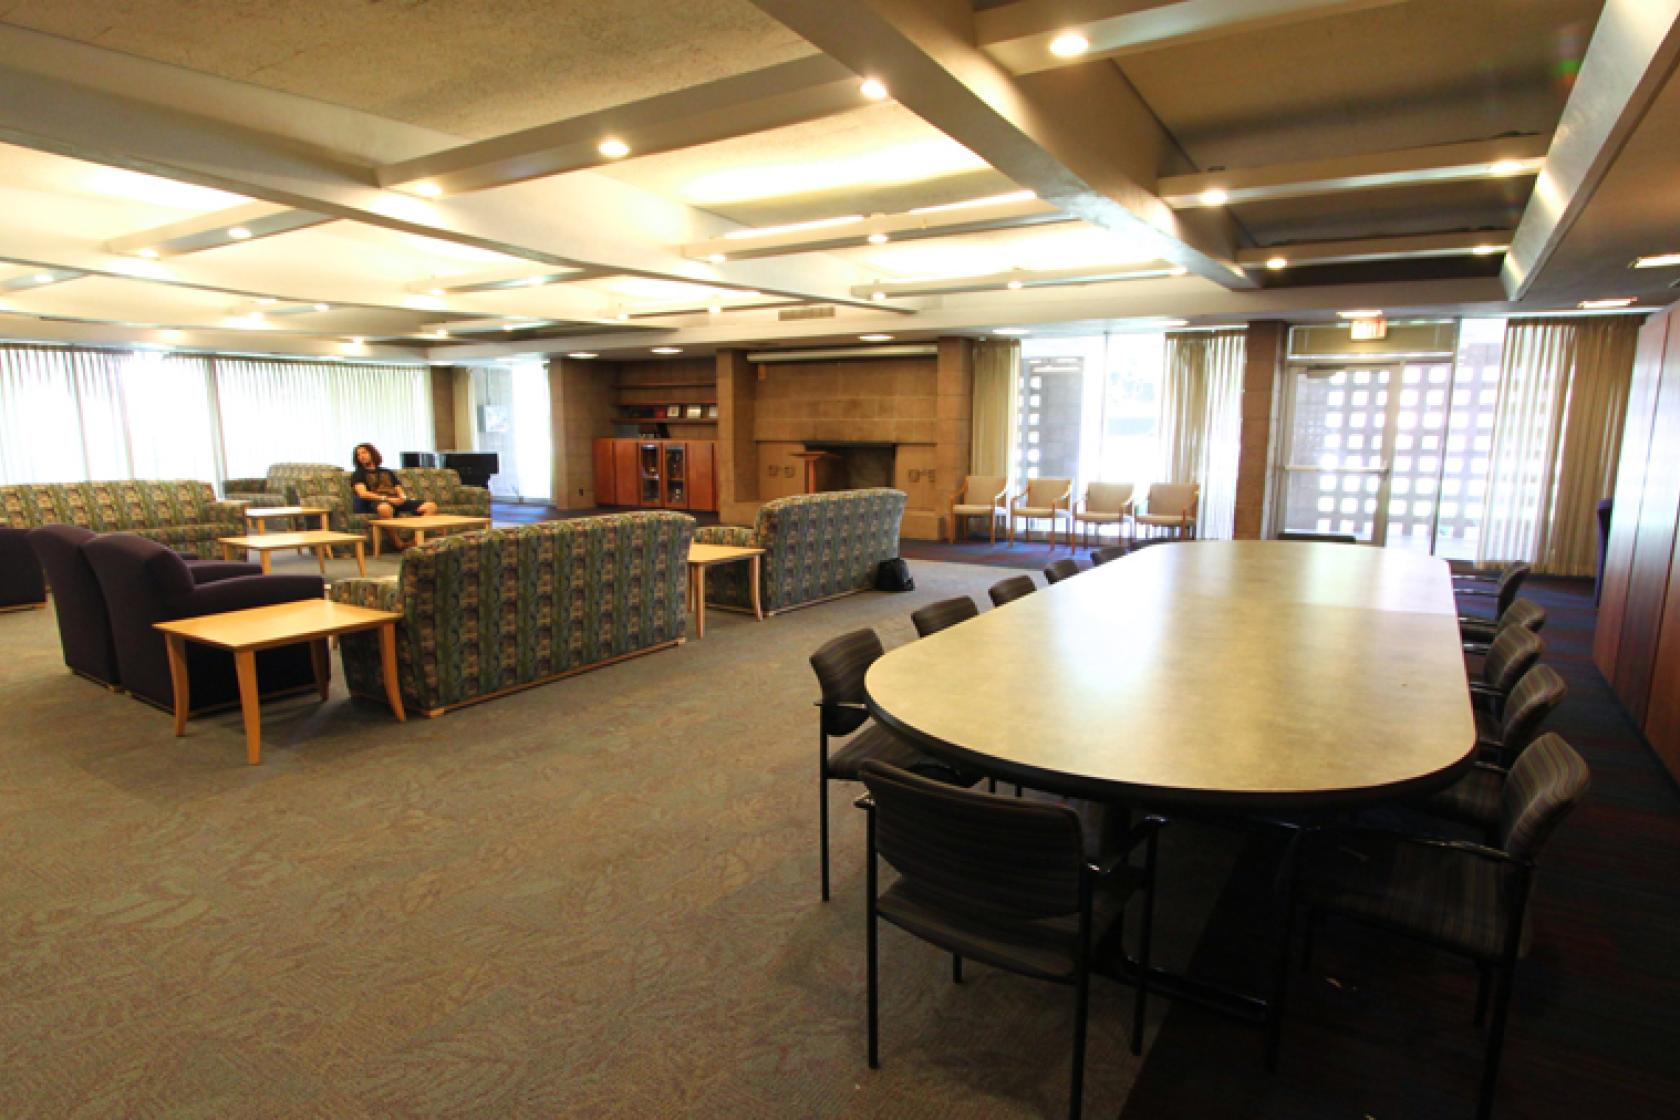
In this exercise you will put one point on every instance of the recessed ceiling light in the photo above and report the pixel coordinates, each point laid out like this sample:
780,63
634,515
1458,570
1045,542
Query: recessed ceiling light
1604,304
875,338
42,278
878,295
239,233
877,239
583,355
717,258
874,89
173,336
1361,313
714,309
622,316
323,307
267,301
1662,260
1178,270
1275,263
1505,167
1487,250
1014,285
440,333
1011,330
613,148
425,188
436,292
149,253
1214,196
357,341
507,326
667,349
1069,44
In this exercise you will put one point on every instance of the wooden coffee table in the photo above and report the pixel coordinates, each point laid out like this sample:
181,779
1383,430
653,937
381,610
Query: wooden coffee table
703,556
318,539
260,516
420,526
283,624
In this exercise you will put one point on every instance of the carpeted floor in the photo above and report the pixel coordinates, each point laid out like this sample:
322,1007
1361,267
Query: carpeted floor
593,898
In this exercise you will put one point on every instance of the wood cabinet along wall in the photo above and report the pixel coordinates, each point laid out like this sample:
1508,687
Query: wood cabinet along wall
656,473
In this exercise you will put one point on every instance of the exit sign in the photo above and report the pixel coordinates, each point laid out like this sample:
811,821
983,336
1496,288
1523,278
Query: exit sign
1370,330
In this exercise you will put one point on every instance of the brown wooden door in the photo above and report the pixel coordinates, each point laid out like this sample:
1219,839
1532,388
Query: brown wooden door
626,481
605,495
1653,546
702,475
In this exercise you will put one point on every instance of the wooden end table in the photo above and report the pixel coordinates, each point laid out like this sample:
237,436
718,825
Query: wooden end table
703,556
318,539
258,517
420,526
245,632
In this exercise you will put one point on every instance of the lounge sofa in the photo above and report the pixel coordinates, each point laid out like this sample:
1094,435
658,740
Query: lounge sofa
182,514
426,484
817,546
489,612
286,484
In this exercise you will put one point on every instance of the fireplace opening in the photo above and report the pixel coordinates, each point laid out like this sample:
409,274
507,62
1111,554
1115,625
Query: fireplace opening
852,466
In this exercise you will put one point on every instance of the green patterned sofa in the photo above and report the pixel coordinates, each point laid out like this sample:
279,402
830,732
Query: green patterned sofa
427,484
286,484
182,514
488,612
817,546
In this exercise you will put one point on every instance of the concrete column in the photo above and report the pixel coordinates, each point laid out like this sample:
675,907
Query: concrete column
955,430
580,398
737,395
1262,368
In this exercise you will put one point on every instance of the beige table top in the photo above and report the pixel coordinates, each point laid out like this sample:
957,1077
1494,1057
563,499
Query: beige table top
1253,674
260,513
279,624
309,538
429,521
718,553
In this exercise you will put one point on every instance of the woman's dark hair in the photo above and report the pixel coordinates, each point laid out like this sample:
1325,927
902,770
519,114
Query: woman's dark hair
373,453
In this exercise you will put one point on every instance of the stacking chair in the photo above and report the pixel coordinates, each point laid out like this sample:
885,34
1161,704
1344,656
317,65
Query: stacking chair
981,495
1464,898
1011,589
1478,633
942,615
1112,552
1014,883
1041,499
840,666
1503,737
1512,654
1065,568
1503,589
1171,505
1105,503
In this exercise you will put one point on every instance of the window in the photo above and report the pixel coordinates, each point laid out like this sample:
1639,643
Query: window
511,418
1088,406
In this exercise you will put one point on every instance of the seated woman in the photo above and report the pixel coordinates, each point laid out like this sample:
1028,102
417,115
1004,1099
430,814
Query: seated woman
379,492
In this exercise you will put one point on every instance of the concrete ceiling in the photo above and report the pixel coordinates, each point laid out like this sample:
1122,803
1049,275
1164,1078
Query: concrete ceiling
121,124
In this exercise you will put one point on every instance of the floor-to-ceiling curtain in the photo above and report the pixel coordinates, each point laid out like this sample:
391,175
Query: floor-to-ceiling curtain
1557,433
1200,421
997,368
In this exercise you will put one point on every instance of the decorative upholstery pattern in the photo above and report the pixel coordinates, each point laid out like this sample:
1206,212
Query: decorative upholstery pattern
488,611
816,546
181,513
426,484
284,484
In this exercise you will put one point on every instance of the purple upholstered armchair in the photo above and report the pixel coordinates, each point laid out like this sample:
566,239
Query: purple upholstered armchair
84,627
143,582
20,575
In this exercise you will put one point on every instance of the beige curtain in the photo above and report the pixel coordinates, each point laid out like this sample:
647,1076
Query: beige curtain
1557,434
997,367
1200,421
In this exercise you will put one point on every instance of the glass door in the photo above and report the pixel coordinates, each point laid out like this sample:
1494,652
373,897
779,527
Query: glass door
1363,451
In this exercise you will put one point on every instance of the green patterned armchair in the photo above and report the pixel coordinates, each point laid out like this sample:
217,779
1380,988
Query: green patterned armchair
817,546
488,612
284,485
183,514
426,484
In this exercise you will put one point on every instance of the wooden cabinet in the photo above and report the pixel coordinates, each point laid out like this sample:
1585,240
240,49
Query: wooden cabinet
656,473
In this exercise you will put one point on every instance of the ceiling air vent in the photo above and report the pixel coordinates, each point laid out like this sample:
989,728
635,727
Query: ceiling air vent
816,311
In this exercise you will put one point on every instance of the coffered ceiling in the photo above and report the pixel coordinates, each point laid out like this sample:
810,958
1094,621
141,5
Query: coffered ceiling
433,180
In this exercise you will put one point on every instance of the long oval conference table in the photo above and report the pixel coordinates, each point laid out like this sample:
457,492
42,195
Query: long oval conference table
1256,676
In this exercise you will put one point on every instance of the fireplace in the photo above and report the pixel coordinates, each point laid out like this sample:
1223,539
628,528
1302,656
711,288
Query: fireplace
852,465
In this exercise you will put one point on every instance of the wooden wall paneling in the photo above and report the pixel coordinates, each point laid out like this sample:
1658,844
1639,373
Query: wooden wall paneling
627,485
1653,546
606,492
1662,713
702,475
1630,486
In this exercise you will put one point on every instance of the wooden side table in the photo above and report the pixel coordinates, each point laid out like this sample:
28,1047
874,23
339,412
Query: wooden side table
703,556
420,526
258,517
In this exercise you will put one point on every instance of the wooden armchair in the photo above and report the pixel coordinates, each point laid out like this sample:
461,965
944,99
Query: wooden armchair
1172,505
1040,499
1105,503
981,495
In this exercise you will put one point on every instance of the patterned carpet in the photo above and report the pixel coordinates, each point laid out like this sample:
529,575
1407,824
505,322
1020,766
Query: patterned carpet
593,898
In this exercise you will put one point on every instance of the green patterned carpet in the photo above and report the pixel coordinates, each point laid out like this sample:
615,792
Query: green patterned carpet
593,898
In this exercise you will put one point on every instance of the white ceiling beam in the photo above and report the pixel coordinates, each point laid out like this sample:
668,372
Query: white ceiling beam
790,93
1479,243
1018,35
1439,163
1632,55
1037,133
23,327
38,276
1003,212
211,231
579,220
1018,278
